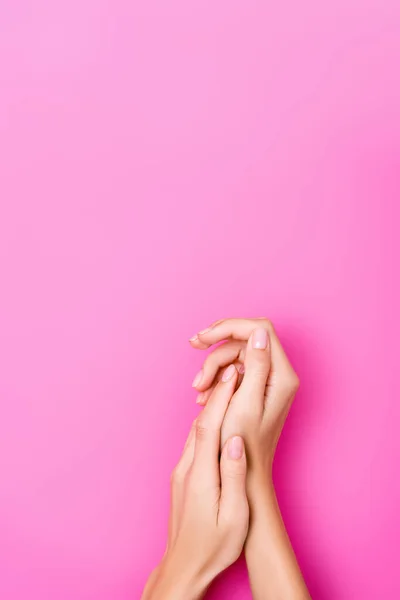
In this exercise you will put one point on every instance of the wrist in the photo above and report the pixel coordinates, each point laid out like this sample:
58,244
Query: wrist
177,580
262,499
259,471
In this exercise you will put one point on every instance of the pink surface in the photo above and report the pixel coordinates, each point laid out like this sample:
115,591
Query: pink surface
164,164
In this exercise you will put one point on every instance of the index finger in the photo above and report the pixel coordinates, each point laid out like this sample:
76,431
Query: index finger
205,468
235,329
241,329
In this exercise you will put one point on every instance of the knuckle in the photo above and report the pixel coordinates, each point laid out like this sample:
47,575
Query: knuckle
177,475
290,385
293,384
235,471
257,370
202,429
296,382
259,365
267,323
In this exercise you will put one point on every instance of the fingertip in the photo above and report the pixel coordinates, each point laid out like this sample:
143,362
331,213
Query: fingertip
203,380
197,380
229,373
197,344
196,338
203,385
200,399
203,342
204,396
205,336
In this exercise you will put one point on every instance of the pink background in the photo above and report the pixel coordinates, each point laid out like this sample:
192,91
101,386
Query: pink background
164,164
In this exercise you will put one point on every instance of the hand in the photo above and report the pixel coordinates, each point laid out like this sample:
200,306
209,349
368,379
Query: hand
262,401
257,412
209,508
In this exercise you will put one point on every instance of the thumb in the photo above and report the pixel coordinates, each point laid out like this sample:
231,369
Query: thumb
233,502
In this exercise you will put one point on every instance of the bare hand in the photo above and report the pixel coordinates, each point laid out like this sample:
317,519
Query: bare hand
209,512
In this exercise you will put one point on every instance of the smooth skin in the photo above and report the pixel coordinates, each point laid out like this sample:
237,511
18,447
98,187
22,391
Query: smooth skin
209,509
265,385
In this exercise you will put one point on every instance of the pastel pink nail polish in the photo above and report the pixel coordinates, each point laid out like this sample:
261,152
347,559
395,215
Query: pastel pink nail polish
198,378
235,448
199,399
229,373
259,339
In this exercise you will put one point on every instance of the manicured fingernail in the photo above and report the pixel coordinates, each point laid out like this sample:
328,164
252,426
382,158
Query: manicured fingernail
235,448
197,379
241,369
205,330
193,339
199,399
229,373
259,339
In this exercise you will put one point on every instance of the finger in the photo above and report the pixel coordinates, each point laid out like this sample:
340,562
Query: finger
147,592
178,482
236,329
196,343
233,505
195,340
257,368
205,467
241,329
203,397
220,357
283,381
186,458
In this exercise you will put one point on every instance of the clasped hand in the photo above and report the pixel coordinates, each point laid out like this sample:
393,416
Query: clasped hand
223,480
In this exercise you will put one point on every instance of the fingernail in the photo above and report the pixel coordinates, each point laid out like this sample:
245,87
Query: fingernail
259,339
241,369
205,330
235,448
199,399
229,373
198,378
193,339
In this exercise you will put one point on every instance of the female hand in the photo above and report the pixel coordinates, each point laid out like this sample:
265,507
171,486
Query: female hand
267,388
257,412
209,508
